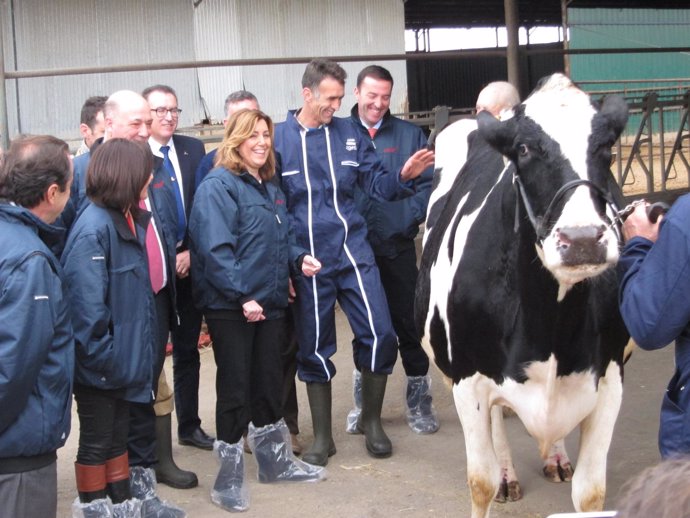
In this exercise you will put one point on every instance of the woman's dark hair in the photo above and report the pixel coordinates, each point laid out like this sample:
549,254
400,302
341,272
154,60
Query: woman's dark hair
32,164
118,171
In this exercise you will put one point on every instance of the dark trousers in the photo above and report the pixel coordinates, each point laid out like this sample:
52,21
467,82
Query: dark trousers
103,424
29,493
399,279
186,363
141,443
249,372
290,409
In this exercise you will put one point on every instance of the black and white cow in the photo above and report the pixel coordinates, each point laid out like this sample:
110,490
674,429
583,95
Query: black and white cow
516,298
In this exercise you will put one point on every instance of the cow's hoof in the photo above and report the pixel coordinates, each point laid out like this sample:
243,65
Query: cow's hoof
558,473
508,492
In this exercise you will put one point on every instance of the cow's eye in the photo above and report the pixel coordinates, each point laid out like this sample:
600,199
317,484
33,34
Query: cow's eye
523,150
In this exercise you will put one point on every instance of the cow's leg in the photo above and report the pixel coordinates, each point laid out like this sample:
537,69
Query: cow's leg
483,471
596,430
557,466
509,489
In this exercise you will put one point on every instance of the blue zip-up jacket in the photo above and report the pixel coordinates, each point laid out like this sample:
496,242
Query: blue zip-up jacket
312,197
393,225
111,301
36,344
239,242
655,305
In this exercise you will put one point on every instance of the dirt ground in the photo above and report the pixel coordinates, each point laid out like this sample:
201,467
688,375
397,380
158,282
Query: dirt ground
426,475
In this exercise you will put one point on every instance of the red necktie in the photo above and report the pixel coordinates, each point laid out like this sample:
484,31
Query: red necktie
372,132
153,252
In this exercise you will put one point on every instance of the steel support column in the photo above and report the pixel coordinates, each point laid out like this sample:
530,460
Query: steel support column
512,27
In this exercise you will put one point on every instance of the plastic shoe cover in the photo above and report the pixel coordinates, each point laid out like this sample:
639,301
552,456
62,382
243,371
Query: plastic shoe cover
353,415
128,509
142,482
230,491
420,413
101,508
272,449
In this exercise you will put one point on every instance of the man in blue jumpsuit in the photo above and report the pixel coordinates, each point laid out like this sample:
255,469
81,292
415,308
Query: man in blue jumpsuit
320,160
393,226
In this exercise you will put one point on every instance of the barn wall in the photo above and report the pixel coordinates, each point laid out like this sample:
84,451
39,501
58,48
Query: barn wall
620,28
277,29
82,33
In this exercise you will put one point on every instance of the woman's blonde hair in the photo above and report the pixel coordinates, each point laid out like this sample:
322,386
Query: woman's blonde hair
239,128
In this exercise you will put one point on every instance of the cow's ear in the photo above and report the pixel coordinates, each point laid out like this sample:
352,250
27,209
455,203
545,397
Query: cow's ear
499,134
614,110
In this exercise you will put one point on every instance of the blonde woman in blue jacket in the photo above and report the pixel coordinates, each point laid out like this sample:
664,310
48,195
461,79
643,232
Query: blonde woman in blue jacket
241,260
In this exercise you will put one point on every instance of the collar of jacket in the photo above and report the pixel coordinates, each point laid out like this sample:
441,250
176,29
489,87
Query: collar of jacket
141,219
354,113
49,234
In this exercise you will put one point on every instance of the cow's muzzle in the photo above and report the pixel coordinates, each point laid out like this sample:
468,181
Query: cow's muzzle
581,245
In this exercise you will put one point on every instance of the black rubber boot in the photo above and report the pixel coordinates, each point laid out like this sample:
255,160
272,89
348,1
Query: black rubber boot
373,390
119,491
142,483
320,405
273,452
167,472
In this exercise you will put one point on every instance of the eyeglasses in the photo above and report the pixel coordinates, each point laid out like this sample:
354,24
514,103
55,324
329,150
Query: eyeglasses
162,112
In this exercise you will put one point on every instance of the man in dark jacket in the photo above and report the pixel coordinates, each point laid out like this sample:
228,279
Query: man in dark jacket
654,303
176,160
36,340
392,227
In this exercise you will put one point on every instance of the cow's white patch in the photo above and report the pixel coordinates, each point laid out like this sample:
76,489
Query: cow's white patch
549,406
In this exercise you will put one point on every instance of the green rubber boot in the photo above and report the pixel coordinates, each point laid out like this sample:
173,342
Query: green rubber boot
373,390
320,405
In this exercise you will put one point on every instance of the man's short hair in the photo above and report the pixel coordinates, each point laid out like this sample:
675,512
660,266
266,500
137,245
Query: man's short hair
92,106
238,97
377,72
31,165
319,69
158,88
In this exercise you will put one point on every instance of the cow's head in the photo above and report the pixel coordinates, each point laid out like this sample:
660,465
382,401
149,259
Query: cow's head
560,142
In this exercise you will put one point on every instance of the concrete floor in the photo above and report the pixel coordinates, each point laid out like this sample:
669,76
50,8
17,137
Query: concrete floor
426,475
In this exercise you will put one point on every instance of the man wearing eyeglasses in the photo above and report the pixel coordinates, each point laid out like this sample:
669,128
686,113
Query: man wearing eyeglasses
178,156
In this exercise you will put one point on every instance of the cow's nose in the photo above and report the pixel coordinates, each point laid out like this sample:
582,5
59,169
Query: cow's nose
582,245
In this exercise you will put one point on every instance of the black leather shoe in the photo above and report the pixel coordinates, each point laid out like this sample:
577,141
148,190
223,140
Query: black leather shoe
199,439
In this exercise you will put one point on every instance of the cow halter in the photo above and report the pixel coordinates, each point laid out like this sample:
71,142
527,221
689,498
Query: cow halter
539,223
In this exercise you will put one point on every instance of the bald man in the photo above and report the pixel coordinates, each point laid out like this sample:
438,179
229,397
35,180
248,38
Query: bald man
498,98
126,115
